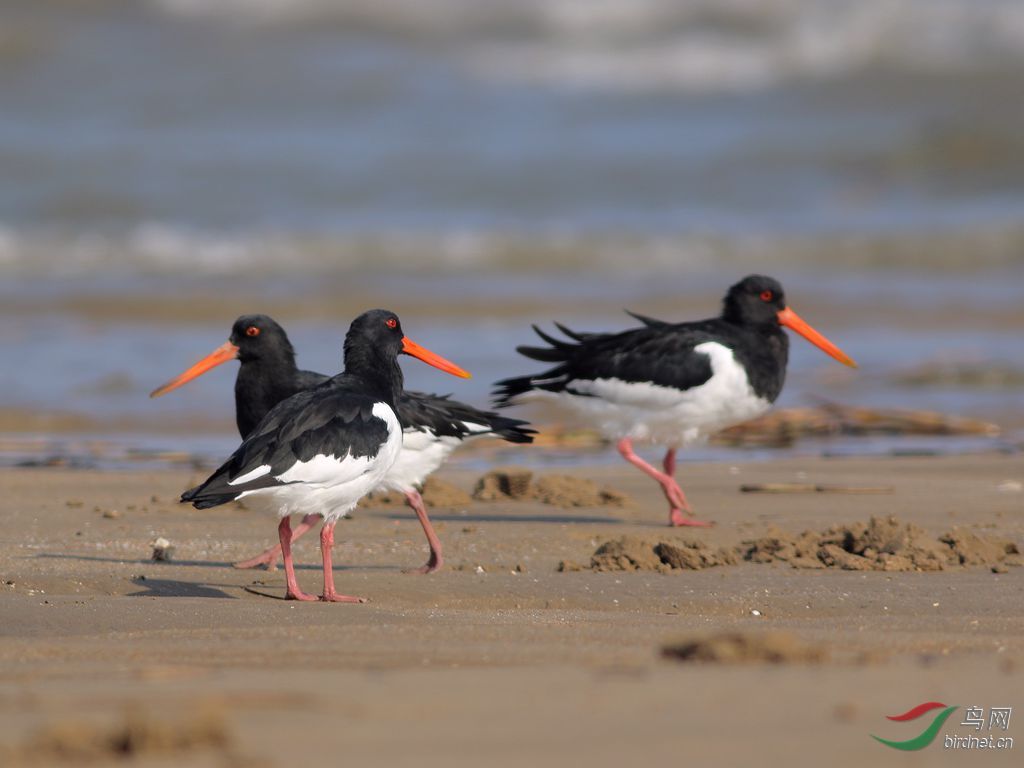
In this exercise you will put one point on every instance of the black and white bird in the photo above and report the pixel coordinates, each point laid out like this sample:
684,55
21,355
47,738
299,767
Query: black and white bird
326,447
670,384
434,425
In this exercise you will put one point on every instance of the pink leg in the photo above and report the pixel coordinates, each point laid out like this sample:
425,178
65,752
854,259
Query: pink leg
676,499
329,595
268,557
284,533
414,500
669,463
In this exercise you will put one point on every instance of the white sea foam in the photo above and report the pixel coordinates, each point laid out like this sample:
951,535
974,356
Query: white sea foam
675,44
166,250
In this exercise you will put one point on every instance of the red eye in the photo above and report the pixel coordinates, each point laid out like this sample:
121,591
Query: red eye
252,330
767,295
391,322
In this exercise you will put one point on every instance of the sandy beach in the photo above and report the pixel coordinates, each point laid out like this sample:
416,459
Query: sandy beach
501,658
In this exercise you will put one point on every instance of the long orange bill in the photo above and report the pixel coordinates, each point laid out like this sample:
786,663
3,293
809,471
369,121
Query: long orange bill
223,353
410,347
791,319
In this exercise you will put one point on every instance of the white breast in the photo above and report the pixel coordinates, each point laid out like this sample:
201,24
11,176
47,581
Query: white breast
658,414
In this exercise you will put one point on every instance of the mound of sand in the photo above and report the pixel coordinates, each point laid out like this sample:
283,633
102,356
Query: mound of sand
739,648
630,553
968,548
503,484
568,491
564,491
883,544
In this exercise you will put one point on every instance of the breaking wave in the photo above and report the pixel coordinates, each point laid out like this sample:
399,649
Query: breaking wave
161,249
676,44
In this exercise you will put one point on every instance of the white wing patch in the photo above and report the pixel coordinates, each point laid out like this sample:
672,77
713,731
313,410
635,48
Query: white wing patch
475,429
327,470
258,472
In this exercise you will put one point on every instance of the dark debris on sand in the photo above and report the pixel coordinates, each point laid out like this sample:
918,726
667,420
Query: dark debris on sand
745,648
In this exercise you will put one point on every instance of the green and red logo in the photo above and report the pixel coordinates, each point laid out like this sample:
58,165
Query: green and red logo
927,736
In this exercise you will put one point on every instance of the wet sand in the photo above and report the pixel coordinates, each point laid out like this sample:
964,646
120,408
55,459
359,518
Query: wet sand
500,659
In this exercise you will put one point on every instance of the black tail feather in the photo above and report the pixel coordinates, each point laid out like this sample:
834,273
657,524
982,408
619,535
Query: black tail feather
560,352
211,501
557,343
217,488
199,500
446,417
543,354
510,430
507,390
574,335
650,322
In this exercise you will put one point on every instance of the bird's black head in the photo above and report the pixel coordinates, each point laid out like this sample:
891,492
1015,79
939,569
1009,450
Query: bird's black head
374,341
259,337
754,300
254,339
378,330
758,301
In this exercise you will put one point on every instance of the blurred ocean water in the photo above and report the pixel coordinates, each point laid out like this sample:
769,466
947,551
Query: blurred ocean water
480,165
199,134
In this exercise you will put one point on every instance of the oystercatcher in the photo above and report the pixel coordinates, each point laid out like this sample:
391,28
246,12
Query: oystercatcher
325,447
671,383
434,425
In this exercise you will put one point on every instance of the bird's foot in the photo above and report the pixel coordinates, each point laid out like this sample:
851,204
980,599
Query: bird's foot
334,597
267,559
676,519
299,595
676,497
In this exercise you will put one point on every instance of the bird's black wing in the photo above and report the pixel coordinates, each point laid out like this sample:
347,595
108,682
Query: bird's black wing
658,353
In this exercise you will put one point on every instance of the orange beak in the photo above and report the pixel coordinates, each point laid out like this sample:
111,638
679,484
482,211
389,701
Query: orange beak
223,353
791,319
410,347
